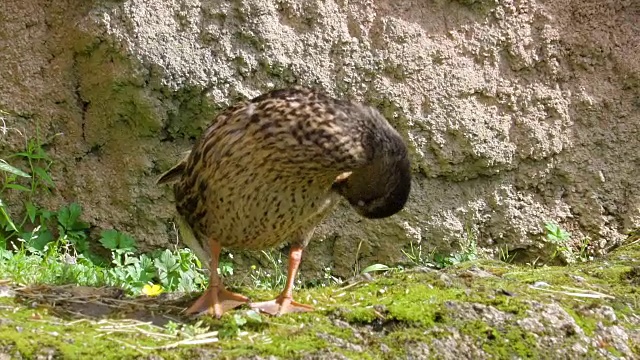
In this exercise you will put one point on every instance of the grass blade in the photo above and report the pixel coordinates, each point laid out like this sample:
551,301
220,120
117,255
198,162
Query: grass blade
13,170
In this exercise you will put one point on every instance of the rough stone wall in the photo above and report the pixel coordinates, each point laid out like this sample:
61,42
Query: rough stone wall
517,112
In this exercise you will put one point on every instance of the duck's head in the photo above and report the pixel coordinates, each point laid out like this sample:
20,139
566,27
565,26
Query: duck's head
381,188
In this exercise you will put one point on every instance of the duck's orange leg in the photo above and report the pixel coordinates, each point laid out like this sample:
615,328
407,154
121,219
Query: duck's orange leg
284,302
216,299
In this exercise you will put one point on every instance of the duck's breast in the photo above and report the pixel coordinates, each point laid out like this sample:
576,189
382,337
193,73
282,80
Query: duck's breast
257,211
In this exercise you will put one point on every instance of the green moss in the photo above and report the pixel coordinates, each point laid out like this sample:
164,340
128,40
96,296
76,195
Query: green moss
402,335
502,343
250,39
382,318
280,345
395,71
508,304
588,325
121,101
115,103
278,71
517,341
193,112
29,331
421,305
360,315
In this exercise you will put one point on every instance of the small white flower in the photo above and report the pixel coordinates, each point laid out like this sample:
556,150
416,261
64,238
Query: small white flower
69,259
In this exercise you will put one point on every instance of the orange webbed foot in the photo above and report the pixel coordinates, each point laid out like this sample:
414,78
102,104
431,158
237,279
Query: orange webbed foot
216,301
280,306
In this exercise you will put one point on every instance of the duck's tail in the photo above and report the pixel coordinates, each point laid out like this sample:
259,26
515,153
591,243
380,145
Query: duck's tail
172,175
189,239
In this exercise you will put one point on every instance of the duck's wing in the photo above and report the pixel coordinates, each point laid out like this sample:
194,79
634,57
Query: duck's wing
303,127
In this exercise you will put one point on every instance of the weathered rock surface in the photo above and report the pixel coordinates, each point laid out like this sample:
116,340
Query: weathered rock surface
517,112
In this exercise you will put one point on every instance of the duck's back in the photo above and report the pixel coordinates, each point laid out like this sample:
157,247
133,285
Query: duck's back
265,167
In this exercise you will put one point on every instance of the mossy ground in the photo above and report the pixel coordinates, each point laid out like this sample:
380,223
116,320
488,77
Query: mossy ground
380,318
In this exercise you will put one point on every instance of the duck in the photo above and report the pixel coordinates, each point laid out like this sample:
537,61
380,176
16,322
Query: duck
267,171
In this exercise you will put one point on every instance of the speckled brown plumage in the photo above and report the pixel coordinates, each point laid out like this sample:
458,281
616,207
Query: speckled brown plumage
268,170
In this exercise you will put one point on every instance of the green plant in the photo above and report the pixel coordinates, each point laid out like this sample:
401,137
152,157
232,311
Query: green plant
226,265
231,329
39,164
53,246
376,267
41,235
29,250
555,234
561,241
56,263
468,252
505,255
273,278
357,270
117,241
14,179
72,228
67,259
356,265
60,262
176,270
328,278
10,173
417,257
186,330
584,253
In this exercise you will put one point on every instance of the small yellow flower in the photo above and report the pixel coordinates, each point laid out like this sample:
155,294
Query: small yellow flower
253,267
152,290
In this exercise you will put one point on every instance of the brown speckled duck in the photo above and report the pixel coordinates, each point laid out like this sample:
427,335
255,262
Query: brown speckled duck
268,170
